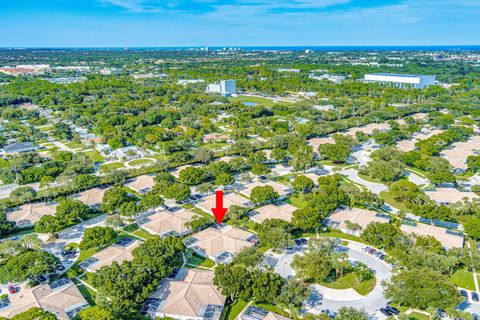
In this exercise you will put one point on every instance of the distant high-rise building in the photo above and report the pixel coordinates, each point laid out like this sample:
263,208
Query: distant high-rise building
225,87
401,80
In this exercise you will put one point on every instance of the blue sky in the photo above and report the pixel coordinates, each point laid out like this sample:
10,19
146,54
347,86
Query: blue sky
119,23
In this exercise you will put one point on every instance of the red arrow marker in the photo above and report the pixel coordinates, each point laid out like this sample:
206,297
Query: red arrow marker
219,211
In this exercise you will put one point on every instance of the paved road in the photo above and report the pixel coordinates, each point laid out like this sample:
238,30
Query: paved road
415,178
326,298
373,187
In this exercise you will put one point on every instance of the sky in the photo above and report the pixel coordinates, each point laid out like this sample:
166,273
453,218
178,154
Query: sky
162,23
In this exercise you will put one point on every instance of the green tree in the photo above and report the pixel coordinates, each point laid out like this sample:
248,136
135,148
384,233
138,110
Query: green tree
70,211
28,265
302,184
431,289
382,235
263,194
224,179
349,313
114,198
94,313
192,176
97,237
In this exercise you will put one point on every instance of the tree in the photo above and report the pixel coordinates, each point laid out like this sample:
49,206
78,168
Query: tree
335,152
382,235
236,214
472,227
70,211
192,176
259,169
28,265
97,237
48,224
224,179
62,131
429,243
404,191
177,191
273,233
263,194
249,257
32,242
151,200
431,289
292,295
22,195
302,184
114,198
35,314
203,155
114,221
94,313
349,313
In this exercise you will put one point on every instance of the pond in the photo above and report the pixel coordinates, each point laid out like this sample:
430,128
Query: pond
249,104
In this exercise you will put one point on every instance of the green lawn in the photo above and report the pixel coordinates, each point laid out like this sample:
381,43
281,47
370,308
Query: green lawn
369,179
232,310
463,279
95,156
131,227
388,198
137,162
197,261
419,316
350,281
341,235
143,234
74,145
298,200
87,293
111,166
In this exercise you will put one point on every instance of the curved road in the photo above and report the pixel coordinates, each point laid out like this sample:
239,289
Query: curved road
329,300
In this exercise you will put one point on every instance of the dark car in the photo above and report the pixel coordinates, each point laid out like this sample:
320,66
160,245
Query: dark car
386,312
464,293
475,296
393,310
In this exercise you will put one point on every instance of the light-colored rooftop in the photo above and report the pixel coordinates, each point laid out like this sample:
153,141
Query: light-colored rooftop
188,298
282,212
164,222
355,215
228,200
408,145
29,214
458,152
216,240
315,142
368,129
142,183
448,240
113,253
450,195
91,197
59,301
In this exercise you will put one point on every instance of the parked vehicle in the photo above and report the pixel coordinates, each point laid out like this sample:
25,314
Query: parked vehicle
386,312
12,289
475,296
464,293
393,310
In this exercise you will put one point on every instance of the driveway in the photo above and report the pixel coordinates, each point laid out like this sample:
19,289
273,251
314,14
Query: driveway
417,179
325,298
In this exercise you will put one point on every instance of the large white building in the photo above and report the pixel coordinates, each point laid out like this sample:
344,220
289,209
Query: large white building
401,80
224,87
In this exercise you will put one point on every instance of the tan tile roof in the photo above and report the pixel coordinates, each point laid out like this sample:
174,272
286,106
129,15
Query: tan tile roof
187,298
214,242
164,221
31,213
450,195
448,241
458,152
228,200
368,129
92,196
141,183
315,142
59,301
355,215
408,145
280,188
113,253
283,212
275,316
